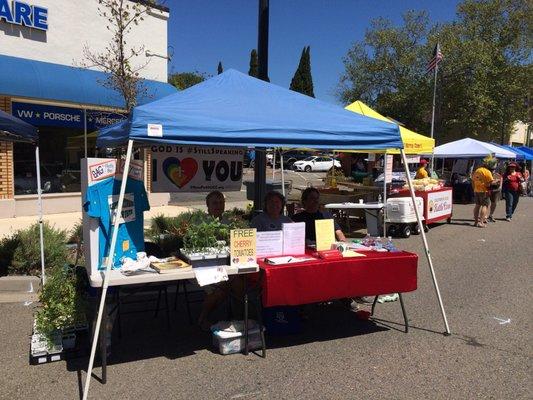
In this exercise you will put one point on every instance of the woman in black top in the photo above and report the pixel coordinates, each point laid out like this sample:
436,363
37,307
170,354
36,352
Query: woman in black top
311,213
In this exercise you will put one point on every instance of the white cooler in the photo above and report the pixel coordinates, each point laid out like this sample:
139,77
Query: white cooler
400,210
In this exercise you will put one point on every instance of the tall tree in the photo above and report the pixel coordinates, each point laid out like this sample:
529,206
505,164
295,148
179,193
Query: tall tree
117,57
482,80
219,68
254,64
184,80
302,80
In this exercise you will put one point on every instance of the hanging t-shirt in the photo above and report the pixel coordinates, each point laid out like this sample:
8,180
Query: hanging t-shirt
100,199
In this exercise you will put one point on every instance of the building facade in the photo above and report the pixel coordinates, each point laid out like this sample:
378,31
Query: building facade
45,81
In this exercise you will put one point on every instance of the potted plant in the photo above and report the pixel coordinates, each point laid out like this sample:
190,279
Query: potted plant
63,306
205,244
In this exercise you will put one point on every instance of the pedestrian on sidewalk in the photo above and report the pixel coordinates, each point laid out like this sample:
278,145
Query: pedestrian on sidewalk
512,180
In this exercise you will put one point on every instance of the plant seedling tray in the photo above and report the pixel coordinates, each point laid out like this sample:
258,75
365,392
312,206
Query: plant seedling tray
206,259
40,353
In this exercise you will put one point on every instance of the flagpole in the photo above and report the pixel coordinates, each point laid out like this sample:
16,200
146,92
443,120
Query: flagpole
433,112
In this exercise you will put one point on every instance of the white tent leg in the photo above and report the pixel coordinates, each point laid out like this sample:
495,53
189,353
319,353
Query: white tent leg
282,175
109,263
426,247
274,166
385,195
40,211
85,131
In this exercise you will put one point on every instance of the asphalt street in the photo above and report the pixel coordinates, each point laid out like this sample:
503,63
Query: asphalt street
485,280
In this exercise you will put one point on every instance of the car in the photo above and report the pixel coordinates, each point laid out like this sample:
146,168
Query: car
316,163
291,156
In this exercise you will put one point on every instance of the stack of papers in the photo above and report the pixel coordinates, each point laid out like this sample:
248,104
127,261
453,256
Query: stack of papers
287,260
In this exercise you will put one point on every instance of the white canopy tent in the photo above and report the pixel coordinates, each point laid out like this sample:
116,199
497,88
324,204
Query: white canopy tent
471,148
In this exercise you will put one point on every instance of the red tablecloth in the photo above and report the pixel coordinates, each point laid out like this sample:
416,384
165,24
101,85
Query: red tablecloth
320,280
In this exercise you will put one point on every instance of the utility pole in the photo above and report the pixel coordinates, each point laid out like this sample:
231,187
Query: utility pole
262,55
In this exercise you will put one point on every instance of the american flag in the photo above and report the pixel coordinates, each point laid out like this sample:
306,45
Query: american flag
435,60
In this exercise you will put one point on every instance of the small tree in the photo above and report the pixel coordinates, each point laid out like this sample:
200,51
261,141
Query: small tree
116,59
302,80
184,80
219,68
254,64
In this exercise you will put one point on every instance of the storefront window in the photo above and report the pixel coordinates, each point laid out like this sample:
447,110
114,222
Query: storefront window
60,150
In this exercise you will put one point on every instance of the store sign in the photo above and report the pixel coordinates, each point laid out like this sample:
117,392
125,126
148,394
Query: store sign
20,13
439,204
64,117
196,168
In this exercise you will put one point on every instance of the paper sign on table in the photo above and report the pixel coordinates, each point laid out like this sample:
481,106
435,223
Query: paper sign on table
210,275
243,247
294,238
269,244
325,234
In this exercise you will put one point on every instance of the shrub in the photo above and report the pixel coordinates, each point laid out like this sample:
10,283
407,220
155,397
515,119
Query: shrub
27,256
8,245
63,301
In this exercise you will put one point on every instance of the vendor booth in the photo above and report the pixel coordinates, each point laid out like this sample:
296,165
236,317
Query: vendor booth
13,129
234,110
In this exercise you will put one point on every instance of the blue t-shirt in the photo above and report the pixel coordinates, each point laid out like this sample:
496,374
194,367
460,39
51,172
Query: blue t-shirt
100,199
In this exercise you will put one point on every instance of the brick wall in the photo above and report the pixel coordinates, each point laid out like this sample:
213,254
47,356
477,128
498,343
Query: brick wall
6,158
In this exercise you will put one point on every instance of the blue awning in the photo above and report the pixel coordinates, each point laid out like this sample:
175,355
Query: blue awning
234,109
47,81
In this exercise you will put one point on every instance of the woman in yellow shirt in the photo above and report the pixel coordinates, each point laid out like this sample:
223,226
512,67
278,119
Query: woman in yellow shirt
421,172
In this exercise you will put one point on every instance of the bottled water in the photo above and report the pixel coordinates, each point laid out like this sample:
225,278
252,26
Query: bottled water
379,198
378,244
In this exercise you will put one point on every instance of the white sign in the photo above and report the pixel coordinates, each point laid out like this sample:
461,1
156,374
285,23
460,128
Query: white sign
196,168
210,275
155,130
388,169
294,238
439,204
412,159
269,244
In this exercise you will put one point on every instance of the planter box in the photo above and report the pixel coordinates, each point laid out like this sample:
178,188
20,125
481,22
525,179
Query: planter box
208,258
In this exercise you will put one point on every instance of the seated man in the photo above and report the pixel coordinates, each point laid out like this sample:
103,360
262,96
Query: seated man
272,218
311,213
216,205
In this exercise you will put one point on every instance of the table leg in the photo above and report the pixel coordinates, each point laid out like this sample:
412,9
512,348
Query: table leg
374,305
404,313
245,317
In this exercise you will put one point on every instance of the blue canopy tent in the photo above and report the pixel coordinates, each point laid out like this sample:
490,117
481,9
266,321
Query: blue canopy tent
520,154
234,109
13,129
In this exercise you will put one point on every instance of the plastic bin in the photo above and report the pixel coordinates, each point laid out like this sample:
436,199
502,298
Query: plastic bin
233,342
283,320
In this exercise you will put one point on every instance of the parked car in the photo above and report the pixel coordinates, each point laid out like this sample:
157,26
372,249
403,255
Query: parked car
291,156
316,163
26,180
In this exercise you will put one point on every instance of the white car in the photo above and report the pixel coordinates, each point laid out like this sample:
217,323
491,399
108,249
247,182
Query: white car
316,163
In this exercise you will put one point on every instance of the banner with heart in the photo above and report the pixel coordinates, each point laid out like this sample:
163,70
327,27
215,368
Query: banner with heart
180,172
184,169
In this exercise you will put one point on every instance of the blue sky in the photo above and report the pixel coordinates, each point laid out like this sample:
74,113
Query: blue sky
204,32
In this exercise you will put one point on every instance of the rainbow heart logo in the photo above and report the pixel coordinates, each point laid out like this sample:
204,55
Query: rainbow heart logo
180,172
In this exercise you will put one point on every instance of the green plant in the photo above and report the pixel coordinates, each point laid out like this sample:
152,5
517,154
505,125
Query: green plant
205,235
27,255
8,245
63,301
76,237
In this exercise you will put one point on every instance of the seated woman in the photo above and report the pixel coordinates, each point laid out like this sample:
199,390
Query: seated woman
272,218
311,213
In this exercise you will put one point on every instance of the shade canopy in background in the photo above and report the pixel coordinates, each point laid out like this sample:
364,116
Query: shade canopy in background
413,143
234,109
13,129
470,148
521,154
527,151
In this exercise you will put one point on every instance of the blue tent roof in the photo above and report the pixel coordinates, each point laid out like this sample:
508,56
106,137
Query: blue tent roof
42,80
13,129
527,151
520,153
234,109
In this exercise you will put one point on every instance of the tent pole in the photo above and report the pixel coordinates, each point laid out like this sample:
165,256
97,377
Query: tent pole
274,166
109,263
282,174
433,112
385,195
85,131
424,240
40,211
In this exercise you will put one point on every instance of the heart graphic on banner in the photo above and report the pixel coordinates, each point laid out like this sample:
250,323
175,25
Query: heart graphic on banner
180,172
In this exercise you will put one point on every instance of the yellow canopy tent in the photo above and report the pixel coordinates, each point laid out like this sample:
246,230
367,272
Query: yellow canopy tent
413,142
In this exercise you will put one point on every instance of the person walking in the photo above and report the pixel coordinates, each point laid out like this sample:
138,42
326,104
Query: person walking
495,192
481,180
512,180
